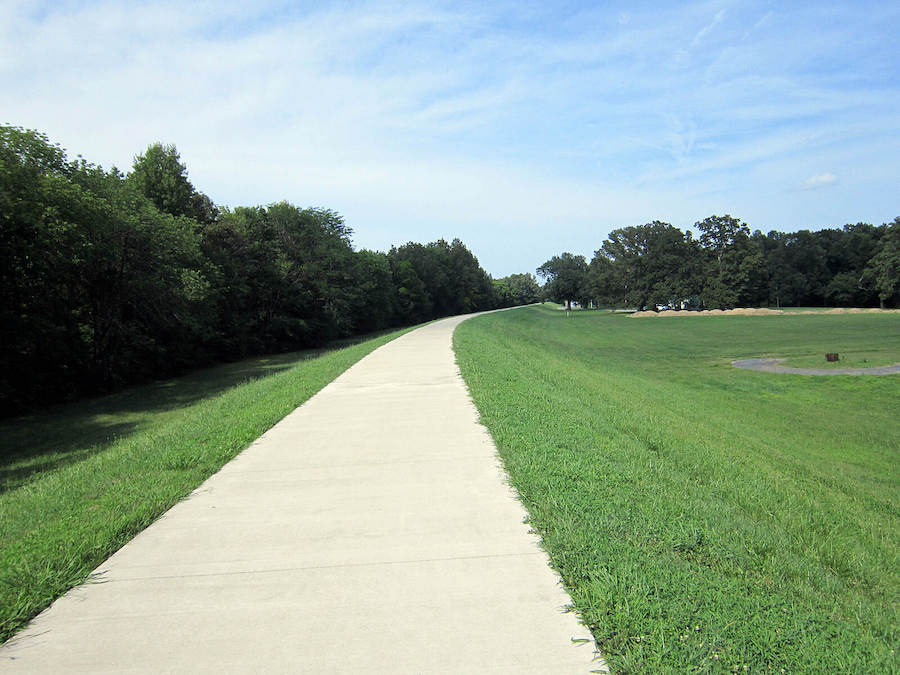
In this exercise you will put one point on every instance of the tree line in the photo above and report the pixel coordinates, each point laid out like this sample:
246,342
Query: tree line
109,278
657,265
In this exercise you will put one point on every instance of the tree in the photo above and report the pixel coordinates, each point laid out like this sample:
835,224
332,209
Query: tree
107,279
470,287
566,278
605,282
517,289
884,267
413,301
847,253
719,234
161,176
647,265
98,286
374,303
36,271
735,268
452,280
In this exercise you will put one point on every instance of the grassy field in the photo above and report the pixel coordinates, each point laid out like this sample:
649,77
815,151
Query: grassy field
80,480
705,518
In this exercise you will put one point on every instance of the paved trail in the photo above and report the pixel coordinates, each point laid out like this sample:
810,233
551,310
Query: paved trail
371,530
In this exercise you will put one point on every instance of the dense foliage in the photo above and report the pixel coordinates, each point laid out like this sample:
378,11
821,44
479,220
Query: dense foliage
659,265
107,278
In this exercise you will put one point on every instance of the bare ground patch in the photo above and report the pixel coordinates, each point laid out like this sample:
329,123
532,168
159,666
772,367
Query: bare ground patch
770,365
763,311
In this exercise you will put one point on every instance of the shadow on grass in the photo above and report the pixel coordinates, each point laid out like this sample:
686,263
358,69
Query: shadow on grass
69,433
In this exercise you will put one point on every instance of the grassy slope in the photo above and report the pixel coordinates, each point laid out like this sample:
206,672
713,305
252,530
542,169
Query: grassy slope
79,481
704,518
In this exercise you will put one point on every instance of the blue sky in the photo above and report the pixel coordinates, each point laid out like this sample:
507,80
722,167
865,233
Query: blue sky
525,129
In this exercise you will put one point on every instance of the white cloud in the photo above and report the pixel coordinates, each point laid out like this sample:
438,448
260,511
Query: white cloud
819,181
703,32
502,123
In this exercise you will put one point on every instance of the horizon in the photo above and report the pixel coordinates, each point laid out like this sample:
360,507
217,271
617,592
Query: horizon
516,128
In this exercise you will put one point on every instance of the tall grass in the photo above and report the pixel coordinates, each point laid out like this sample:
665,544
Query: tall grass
705,518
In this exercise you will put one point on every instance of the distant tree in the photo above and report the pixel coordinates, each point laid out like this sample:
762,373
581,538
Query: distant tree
523,288
203,210
107,279
431,264
647,265
451,277
376,297
470,286
735,271
566,278
286,277
161,176
884,267
848,252
605,282
503,296
719,234
515,290
413,301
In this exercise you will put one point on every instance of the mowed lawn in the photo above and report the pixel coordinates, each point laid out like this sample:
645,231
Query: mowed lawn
78,481
705,518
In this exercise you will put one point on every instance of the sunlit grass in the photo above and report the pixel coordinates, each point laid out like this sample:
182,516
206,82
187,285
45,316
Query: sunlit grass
79,481
704,518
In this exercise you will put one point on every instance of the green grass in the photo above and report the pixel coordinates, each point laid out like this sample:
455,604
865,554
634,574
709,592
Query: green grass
78,481
704,518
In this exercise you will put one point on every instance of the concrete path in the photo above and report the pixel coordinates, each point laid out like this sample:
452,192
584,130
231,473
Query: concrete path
370,531
774,366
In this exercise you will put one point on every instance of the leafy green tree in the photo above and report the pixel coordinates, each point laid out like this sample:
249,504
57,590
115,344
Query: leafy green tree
605,282
143,282
429,264
646,265
848,252
566,278
101,287
38,245
503,296
470,287
413,300
884,267
719,234
161,176
452,280
287,277
517,289
106,279
375,299
736,271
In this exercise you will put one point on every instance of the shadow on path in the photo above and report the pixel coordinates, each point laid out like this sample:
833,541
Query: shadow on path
69,433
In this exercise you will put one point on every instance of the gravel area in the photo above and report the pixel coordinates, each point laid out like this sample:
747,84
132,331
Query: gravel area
774,366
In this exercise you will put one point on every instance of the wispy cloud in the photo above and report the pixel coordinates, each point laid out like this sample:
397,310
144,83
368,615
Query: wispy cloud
819,181
716,20
495,123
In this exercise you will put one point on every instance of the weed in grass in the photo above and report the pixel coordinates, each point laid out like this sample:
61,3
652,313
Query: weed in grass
79,481
704,518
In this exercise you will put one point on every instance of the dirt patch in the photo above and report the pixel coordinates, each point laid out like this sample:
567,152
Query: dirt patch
762,311
774,366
